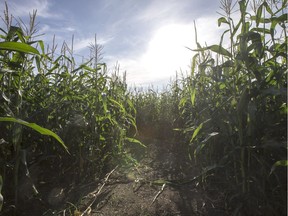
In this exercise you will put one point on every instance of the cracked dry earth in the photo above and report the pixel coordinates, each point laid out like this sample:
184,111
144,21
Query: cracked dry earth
124,191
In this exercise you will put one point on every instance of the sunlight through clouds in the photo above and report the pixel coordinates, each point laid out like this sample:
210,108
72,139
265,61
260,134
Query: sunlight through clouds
166,52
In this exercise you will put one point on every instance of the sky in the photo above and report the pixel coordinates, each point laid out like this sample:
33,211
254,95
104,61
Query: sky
146,38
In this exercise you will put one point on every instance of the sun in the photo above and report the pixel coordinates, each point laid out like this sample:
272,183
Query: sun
166,52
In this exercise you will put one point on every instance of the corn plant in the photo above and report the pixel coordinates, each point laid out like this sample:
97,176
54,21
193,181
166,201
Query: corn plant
88,109
235,108
17,58
157,111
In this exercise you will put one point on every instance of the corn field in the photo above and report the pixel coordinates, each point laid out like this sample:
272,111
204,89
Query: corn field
63,123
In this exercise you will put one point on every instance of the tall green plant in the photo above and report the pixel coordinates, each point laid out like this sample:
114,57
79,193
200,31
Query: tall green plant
235,107
16,59
90,111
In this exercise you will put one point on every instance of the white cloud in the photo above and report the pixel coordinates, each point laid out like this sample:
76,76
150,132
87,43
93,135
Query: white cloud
83,43
44,28
22,8
69,29
158,11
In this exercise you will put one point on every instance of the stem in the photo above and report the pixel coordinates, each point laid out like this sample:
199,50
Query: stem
16,171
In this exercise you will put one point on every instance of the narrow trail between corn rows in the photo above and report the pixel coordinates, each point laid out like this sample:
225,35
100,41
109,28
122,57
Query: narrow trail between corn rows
162,184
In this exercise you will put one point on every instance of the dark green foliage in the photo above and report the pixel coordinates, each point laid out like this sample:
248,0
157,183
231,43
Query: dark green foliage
235,109
157,112
88,109
232,111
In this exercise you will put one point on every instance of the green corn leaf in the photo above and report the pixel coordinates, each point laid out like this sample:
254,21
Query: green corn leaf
177,129
13,31
261,30
258,15
35,127
2,30
193,95
256,42
132,140
182,102
20,47
193,65
41,44
222,36
205,170
284,3
38,64
117,104
222,20
5,97
216,48
228,63
222,86
195,133
243,102
275,21
265,4
284,109
204,142
220,50
198,45
235,29
278,163
283,18
261,20
189,129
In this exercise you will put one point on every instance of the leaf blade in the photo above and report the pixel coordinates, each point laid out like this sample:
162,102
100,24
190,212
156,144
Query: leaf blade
20,47
39,129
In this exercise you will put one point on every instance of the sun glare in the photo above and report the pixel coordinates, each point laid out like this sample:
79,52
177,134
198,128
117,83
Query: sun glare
166,52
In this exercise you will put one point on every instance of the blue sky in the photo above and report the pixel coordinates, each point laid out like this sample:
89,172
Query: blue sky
146,37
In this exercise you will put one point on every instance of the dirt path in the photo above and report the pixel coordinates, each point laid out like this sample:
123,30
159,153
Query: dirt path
149,188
